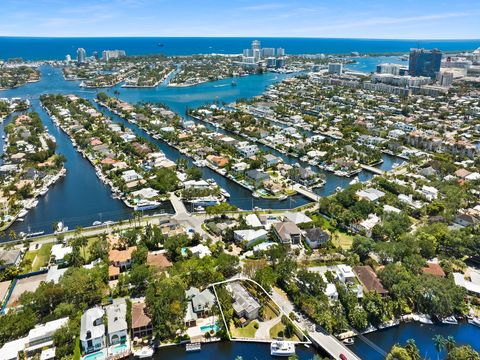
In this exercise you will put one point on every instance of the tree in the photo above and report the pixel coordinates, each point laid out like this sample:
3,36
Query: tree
463,353
439,342
398,353
165,301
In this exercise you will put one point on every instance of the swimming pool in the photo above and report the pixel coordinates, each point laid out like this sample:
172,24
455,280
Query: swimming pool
117,349
95,356
208,328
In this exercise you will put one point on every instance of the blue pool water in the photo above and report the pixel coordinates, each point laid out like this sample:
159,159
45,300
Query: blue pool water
208,328
119,348
94,356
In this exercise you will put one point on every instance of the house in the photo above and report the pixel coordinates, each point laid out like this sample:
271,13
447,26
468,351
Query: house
200,251
433,269
345,273
121,258
218,161
141,322
117,322
366,225
244,305
59,252
369,280
465,220
287,232
250,236
202,302
271,160
247,150
473,285
370,194
158,261
253,221
316,237
10,258
297,218
92,330
258,177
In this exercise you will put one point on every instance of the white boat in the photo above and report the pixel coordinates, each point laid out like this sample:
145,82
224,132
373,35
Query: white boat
22,213
97,223
199,208
354,181
425,319
451,320
349,341
146,205
205,201
224,193
61,228
474,321
43,191
145,352
282,348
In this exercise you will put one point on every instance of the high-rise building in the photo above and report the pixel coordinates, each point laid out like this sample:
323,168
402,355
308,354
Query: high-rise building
271,62
424,62
247,52
95,55
445,78
389,68
267,52
112,54
280,52
256,45
68,58
257,55
335,68
280,63
81,55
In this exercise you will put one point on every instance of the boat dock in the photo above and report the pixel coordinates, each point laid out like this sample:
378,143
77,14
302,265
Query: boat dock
193,347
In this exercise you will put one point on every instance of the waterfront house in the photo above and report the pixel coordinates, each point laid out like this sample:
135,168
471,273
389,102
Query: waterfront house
297,218
271,160
287,232
218,161
470,281
92,330
117,328
369,280
366,226
257,177
141,322
253,221
10,258
202,301
246,307
200,251
316,237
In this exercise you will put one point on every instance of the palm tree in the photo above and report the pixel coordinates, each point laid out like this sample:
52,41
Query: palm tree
412,350
439,342
450,343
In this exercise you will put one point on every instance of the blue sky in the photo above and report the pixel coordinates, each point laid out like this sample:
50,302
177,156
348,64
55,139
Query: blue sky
405,19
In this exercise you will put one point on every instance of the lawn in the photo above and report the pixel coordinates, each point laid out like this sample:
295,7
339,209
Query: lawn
268,313
343,240
245,332
36,259
277,332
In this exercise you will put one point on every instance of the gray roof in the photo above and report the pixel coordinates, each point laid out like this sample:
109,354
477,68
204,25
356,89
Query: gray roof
116,314
257,175
9,257
243,299
190,293
205,298
190,315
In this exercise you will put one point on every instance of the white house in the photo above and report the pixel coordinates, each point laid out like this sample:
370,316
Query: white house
92,330
250,236
200,251
345,273
59,251
117,324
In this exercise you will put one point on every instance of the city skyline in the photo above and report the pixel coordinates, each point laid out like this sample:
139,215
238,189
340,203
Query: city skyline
242,18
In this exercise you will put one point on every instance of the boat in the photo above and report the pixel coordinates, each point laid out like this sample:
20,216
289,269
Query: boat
474,321
22,213
450,320
425,319
97,223
354,181
224,193
193,347
349,341
282,348
205,201
43,191
199,208
37,233
145,352
20,219
60,228
146,205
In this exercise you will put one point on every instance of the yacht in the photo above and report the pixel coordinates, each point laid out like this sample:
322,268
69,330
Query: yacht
425,319
22,213
199,208
146,205
349,341
205,201
451,320
224,193
43,191
474,321
354,181
282,348
97,223
61,228
146,352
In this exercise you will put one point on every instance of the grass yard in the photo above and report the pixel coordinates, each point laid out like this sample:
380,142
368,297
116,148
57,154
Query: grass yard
277,332
268,313
36,259
245,332
343,240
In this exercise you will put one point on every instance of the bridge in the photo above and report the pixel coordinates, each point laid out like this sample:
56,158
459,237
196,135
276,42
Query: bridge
331,345
307,193
372,169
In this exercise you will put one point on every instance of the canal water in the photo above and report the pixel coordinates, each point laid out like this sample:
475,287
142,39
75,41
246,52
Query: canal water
81,198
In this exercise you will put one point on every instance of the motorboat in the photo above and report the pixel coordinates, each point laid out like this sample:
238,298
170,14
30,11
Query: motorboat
146,205
282,348
224,193
451,320
474,321
349,341
145,352
61,228
199,208
97,223
22,213
425,319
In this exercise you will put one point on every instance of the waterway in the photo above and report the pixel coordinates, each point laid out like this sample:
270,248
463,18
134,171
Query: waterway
81,198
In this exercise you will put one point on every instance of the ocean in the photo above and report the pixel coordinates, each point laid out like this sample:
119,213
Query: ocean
32,48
